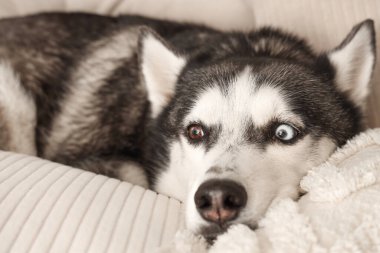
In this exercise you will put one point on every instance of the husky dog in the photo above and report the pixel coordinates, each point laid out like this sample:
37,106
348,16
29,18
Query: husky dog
227,122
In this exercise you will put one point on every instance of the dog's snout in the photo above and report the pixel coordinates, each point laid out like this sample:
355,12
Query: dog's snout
220,201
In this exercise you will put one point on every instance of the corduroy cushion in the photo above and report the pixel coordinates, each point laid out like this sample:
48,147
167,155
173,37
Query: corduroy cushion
49,207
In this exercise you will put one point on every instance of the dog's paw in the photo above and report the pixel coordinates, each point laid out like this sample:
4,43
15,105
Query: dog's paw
239,238
185,242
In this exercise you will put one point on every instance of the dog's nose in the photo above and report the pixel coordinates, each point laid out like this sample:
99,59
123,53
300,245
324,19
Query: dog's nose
220,201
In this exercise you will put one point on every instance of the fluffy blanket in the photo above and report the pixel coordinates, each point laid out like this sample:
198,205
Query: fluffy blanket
340,211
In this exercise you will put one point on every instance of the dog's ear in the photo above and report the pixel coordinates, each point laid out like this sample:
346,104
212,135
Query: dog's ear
354,60
160,67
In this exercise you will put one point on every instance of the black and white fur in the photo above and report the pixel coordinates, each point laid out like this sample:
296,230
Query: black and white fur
115,95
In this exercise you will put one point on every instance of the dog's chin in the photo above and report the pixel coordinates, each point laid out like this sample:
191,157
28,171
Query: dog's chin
212,231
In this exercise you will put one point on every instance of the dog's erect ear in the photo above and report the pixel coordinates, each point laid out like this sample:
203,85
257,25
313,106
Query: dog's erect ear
354,60
160,66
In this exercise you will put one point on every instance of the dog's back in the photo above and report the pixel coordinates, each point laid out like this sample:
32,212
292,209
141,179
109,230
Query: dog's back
78,99
78,84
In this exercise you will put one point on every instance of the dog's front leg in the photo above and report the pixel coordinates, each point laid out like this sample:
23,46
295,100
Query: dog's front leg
121,168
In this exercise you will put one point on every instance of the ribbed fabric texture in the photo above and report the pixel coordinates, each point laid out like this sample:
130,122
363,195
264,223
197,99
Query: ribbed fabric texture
49,207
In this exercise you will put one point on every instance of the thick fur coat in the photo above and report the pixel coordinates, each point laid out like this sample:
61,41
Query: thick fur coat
177,105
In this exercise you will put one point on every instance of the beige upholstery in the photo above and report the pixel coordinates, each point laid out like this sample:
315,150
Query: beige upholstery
49,207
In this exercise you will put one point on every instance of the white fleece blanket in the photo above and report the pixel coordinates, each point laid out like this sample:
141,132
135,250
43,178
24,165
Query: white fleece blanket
339,213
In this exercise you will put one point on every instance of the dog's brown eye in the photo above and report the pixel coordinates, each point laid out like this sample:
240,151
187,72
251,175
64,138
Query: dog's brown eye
195,132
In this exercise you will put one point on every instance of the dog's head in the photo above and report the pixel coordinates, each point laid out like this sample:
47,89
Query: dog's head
236,125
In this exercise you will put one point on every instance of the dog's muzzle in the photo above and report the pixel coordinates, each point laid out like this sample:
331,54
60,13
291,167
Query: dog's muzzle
220,201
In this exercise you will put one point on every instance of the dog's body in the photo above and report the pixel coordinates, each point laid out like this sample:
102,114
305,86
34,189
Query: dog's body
83,74
191,105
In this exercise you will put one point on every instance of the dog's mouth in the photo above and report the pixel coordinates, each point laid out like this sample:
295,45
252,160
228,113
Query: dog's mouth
211,232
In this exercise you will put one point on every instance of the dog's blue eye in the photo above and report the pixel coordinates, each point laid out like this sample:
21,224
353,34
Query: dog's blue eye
285,132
